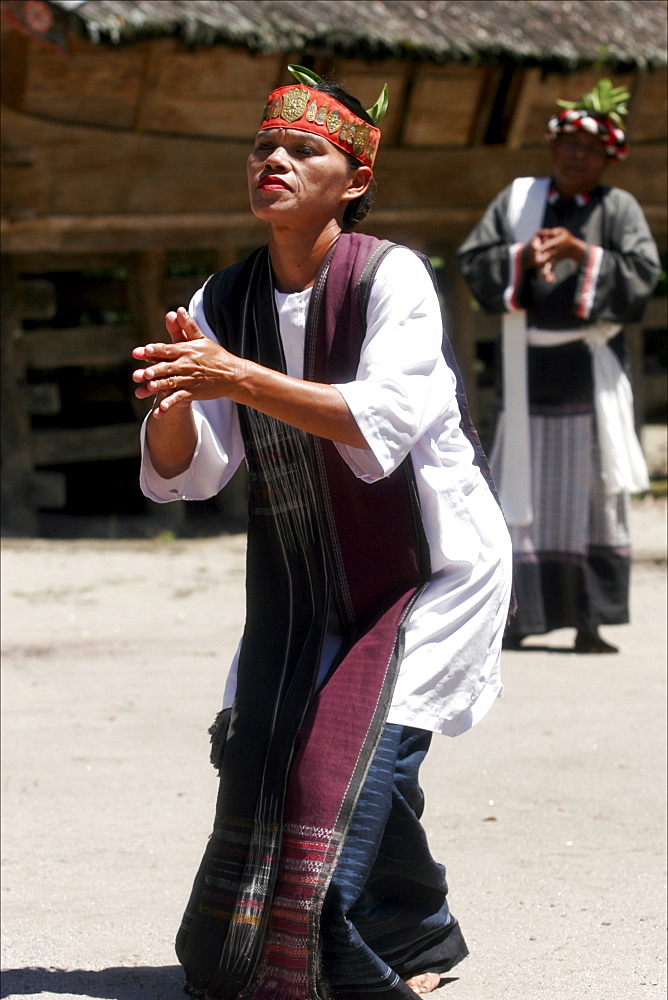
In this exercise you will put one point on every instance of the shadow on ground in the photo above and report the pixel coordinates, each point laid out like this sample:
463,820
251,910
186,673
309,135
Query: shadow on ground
123,983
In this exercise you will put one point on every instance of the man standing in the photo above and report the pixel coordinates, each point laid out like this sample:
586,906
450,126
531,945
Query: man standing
567,260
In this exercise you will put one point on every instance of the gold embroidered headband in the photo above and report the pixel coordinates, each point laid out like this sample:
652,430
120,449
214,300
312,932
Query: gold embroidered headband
306,108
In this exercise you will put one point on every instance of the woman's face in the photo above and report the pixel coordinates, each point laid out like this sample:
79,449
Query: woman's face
295,177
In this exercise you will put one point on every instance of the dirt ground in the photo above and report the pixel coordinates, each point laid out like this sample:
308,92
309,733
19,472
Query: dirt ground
550,815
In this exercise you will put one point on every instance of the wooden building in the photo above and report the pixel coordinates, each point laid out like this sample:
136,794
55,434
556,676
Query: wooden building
125,128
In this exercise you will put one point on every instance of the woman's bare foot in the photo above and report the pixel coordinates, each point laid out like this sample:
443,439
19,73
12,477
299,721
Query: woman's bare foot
425,983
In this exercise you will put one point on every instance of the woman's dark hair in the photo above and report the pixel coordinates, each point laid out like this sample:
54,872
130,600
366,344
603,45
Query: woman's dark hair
358,209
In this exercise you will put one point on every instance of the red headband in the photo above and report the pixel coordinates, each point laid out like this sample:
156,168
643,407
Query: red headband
313,111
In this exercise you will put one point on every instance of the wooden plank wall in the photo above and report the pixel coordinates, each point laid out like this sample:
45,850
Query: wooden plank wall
132,159
58,379
158,86
105,189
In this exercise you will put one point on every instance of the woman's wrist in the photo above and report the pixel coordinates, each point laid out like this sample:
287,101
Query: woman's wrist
171,440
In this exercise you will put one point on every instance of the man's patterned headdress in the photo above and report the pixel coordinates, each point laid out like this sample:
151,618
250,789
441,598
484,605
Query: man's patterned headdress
308,109
599,113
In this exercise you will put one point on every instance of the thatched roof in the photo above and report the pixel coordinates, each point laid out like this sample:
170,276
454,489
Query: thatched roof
566,33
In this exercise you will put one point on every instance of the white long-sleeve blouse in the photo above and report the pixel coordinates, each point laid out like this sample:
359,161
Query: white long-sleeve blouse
403,400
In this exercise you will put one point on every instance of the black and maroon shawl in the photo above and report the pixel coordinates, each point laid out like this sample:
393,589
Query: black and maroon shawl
294,760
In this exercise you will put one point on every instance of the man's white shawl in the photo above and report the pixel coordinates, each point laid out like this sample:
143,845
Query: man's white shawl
622,460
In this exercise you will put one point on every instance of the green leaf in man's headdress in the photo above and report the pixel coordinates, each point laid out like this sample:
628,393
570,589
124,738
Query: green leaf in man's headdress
603,99
306,76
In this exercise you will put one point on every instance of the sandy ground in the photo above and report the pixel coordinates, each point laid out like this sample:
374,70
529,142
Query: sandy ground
550,815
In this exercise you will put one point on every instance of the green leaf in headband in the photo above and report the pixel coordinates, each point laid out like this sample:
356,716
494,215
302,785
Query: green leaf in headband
309,78
377,112
604,99
306,76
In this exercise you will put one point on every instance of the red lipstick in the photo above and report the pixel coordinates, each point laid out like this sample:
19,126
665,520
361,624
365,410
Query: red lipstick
272,183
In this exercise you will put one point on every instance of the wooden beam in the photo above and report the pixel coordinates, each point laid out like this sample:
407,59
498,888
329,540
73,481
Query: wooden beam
85,444
92,346
116,169
49,489
124,233
18,508
41,263
146,302
50,232
403,100
522,109
486,98
635,101
43,398
153,58
207,222
14,67
648,106
461,330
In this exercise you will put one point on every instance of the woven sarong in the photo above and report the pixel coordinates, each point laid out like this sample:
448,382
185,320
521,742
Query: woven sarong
571,566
